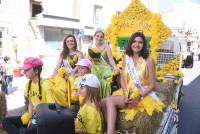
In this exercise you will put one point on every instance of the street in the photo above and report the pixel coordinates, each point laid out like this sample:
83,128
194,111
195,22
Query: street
189,106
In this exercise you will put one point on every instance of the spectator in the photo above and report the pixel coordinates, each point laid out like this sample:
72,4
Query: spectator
7,75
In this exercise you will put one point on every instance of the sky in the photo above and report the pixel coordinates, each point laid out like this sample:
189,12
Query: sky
167,5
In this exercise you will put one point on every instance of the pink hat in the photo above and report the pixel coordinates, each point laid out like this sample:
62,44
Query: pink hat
85,62
31,62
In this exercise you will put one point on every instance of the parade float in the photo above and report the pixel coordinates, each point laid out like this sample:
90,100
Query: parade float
136,17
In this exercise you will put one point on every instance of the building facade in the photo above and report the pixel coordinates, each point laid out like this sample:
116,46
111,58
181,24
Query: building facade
37,27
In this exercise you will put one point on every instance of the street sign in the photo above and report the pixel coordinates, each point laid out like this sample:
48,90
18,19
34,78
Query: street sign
81,33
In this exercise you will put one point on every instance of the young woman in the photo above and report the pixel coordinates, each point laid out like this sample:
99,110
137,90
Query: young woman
137,82
103,62
69,55
89,119
37,91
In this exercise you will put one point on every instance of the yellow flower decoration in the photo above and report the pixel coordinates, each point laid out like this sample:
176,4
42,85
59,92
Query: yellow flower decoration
94,53
25,118
61,71
136,17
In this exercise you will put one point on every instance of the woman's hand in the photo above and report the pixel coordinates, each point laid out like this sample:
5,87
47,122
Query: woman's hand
133,102
116,69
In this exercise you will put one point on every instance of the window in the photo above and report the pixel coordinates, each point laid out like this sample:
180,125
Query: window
189,44
97,16
36,8
199,45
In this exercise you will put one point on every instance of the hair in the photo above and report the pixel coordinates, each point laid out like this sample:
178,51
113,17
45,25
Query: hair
92,94
144,52
39,69
65,51
99,31
6,58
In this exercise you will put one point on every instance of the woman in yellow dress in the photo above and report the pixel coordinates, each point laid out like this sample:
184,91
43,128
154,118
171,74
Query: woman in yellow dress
103,62
69,55
137,81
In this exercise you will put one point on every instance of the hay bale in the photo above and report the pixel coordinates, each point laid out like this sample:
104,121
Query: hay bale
144,124
3,106
165,91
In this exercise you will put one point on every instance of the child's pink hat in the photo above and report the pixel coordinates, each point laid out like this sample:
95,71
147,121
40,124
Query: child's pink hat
31,62
85,62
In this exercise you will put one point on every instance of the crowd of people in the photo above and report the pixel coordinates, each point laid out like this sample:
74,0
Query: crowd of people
80,83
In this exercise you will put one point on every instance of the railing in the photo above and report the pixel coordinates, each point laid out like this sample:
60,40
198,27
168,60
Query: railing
169,123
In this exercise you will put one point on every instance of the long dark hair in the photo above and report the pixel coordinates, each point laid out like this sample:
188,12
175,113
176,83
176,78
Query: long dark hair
39,69
65,51
144,52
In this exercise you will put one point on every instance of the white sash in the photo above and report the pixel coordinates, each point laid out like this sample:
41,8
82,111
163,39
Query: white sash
135,78
66,64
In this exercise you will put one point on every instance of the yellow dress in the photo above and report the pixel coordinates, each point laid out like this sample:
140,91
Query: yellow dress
62,88
89,119
70,61
147,104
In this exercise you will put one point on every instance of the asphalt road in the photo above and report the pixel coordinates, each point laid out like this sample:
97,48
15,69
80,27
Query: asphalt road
189,122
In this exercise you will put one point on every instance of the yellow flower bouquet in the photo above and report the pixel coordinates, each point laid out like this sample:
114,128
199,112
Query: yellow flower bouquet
94,53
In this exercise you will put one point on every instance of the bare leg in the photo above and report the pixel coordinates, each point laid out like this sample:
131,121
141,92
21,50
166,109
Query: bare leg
104,111
112,103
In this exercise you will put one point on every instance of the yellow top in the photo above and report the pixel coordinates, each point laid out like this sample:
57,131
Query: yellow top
46,92
147,104
89,119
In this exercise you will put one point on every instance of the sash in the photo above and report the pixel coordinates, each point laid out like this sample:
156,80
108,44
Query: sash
66,64
135,78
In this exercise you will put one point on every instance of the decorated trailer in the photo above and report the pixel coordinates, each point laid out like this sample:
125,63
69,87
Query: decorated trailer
136,17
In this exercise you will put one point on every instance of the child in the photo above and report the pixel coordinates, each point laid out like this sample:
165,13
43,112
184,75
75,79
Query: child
84,67
89,118
37,91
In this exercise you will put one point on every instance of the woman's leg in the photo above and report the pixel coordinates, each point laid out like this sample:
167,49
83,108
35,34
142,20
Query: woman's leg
112,103
12,124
